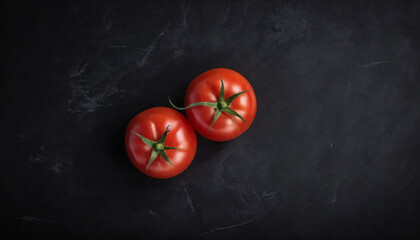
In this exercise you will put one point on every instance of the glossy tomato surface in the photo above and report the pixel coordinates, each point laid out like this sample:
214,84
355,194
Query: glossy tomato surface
151,124
206,88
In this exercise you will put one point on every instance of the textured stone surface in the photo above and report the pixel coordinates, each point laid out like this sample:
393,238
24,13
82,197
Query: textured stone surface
332,154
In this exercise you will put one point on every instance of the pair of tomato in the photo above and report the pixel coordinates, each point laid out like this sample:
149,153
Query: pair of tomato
220,105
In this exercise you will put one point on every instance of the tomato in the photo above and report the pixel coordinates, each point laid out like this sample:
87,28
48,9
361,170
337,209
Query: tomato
220,104
160,142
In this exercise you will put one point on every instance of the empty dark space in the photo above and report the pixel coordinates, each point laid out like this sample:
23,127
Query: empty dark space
333,153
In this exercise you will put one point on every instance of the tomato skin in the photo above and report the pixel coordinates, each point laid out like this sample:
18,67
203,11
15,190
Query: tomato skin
151,124
206,88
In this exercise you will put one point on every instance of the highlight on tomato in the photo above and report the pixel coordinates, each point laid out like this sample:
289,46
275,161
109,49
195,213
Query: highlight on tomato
220,104
160,142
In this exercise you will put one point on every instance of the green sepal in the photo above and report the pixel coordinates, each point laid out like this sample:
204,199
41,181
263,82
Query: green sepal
165,157
163,138
169,148
152,158
234,96
216,116
222,90
147,141
232,112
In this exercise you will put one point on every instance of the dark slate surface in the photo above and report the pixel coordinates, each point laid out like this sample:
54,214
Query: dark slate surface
332,154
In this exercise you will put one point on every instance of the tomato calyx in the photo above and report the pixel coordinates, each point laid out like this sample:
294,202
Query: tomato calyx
159,147
222,105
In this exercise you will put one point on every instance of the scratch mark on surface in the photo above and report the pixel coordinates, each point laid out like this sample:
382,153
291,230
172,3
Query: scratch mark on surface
227,227
267,196
40,156
334,199
179,53
83,101
109,24
57,168
372,64
243,199
77,72
331,146
152,213
349,86
150,48
226,15
257,196
264,196
30,218
185,9
410,181
189,201
125,46
334,195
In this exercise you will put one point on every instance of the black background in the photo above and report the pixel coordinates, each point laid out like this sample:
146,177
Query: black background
333,152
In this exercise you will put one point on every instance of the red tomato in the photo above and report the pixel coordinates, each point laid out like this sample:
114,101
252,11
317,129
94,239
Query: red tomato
160,142
220,104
